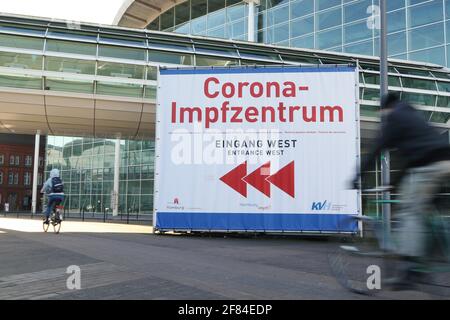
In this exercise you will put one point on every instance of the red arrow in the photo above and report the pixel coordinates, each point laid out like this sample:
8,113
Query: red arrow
257,179
234,179
284,179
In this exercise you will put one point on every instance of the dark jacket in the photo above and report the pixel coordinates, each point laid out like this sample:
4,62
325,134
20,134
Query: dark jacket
418,143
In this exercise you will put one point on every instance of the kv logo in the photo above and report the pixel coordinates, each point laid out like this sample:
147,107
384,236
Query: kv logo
321,205
261,179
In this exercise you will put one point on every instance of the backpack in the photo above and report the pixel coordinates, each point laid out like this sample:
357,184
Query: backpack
57,185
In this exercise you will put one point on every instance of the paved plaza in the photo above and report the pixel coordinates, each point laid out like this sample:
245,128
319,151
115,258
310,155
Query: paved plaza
129,262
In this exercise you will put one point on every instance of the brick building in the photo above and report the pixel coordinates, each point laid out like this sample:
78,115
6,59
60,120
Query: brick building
16,171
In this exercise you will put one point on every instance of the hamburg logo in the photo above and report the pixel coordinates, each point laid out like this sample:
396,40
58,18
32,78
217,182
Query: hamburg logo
261,179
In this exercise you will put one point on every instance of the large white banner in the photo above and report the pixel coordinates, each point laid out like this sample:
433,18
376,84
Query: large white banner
266,149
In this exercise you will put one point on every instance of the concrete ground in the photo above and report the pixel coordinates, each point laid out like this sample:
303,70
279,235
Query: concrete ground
129,262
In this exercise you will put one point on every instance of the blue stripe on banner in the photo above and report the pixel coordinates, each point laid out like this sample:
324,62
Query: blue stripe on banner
255,221
255,70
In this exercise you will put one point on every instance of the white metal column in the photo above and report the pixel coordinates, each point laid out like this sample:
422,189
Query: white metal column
37,141
251,34
116,177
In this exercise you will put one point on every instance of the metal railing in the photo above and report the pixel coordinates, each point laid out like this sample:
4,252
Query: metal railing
104,215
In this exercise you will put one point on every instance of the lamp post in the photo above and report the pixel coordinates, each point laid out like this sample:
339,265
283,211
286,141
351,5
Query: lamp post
385,157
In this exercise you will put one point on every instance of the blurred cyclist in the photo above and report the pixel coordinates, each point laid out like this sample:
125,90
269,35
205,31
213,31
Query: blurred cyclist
54,189
426,155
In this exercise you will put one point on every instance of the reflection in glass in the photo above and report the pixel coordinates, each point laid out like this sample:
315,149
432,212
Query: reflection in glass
72,35
427,36
419,83
60,84
214,5
301,27
216,19
397,21
356,11
433,55
69,65
71,47
396,43
325,4
21,82
29,30
365,47
356,32
217,33
236,12
120,70
301,8
21,42
121,52
213,61
167,19
182,12
330,38
237,29
419,99
198,26
169,57
303,42
278,15
20,61
281,32
328,19
198,8
183,28
425,13
115,89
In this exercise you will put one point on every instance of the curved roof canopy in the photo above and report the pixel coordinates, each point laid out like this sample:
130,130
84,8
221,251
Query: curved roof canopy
109,87
139,13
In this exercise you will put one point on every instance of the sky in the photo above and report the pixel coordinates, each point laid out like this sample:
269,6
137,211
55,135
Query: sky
97,11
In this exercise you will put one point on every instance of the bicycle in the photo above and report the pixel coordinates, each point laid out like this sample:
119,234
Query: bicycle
353,264
55,219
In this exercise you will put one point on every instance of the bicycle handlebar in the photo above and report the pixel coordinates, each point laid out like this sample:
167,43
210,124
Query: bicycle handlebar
379,189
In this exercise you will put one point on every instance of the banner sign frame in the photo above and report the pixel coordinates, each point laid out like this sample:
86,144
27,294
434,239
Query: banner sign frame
191,212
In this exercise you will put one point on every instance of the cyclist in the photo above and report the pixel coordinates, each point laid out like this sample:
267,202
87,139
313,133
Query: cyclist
426,165
54,189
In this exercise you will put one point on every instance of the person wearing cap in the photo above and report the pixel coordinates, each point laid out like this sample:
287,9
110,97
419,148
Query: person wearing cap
426,166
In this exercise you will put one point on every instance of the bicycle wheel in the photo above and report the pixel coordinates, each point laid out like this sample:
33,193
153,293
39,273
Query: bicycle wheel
432,275
56,223
45,226
434,282
57,227
358,267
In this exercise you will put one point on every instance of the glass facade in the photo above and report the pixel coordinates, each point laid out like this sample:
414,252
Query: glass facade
97,60
87,169
212,18
114,62
417,29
